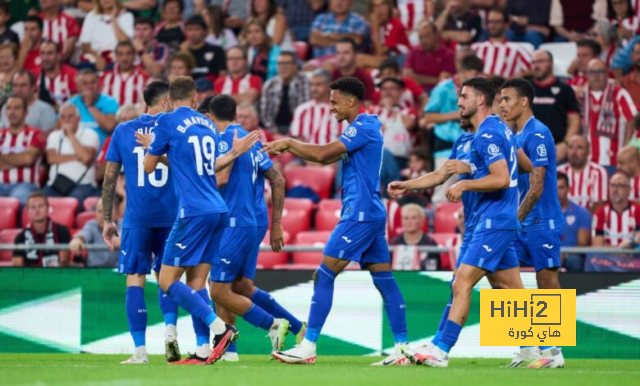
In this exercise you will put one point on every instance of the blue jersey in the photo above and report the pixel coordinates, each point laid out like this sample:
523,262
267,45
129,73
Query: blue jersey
239,192
190,141
151,199
494,142
361,167
461,151
264,164
537,142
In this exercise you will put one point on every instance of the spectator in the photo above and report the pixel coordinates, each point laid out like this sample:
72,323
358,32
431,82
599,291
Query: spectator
56,79
313,121
621,14
71,152
125,82
59,27
412,13
263,54
6,34
413,95
210,60
41,230
329,28
577,225
413,221
204,89
554,100
282,94
346,65
171,29
629,164
8,67
103,28
300,15
387,34
236,13
21,152
607,38
431,62
607,111
274,20
92,234
587,180
617,223
181,64
40,115
97,111
153,56
457,23
442,112
143,8
623,59
631,82
419,165
500,57
248,118
29,54
218,34
529,21
241,85
569,22
587,51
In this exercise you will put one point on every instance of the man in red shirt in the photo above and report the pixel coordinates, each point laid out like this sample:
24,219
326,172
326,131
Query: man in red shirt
125,82
431,62
413,96
29,54
59,27
617,223
631,82
59,78
346,65
238,83
629,163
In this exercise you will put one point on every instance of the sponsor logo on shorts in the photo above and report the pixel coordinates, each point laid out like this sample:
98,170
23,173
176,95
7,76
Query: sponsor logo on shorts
346,239
225,261
179,245
548,246
487,248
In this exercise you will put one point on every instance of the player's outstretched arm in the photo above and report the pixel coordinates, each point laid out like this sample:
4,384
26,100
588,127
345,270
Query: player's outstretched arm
240,146
277,196
536,186
429,180
498,178
110,229
324,154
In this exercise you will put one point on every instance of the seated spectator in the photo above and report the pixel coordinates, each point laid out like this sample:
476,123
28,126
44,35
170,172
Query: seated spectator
171,29
606,36
413,218
204,89
263,54
97,111
555,103
331,27
413,95
631,82
125,82
587,51
181,64
577,228
387,34
218,34
629,164
282,94
300,15
248,118
431,62
56,78
347,65
313,121
418,166
142,8
153,56
92,234
617,223
572,23
622,61
210,61
236,13
41,230
7,35
529,21
21,153
239,83
587,179
621,14
501,57
103,28
71,153
59,27
456,22
40,115
275,21
29,54
8,67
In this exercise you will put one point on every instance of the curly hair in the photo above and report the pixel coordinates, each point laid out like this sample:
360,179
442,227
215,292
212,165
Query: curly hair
349,85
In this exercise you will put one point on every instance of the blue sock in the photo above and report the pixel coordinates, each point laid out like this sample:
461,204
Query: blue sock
136,314
191,302
320,302
169,308
445,315
270,305
394,304
449,336
545,347
258,317
202,330
232,347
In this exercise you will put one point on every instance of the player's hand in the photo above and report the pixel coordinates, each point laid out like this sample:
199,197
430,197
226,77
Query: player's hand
397,188
457,167
143,140
244,144
76,245
276,147
277,237
110,231
455,192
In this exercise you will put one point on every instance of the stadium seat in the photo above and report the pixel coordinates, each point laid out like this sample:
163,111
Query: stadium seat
7,236
446,218
563,55
330,204
9,208
318,178
61,210
327,219
295,221
90,203
318,238
302,49
269,259
292,203
448,240
85,217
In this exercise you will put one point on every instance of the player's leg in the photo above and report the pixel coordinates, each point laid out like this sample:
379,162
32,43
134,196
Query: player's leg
231,355
197,280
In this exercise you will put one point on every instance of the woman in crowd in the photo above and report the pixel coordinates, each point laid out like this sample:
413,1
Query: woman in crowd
218,35
263,54
8,67
181,64
275,21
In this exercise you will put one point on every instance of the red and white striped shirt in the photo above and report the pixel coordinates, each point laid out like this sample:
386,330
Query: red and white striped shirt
578,80
62,86
397,136
587,186
227,85
412,12
616,227
59,29
125,89
314,123
503,59
11,143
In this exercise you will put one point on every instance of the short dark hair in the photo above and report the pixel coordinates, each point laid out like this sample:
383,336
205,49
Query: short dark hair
54,44
505,16
483,86
180,4
145,20
498,82
471,62
25,103
38,194
390,64
347,40
154,91
182,88
292,55
523,88
196,20
549,54
349,85
596,49
421,153
4,6
562,176
28,74
203,108
125,43
223,107
35,19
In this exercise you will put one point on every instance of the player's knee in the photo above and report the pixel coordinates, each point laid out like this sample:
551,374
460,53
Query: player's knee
220,292
461,287
244,288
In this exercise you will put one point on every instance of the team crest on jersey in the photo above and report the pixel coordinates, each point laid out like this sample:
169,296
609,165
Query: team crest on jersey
542,150
208,56
571,220
351,132
259,157
555,90
493,150
467,146
223,147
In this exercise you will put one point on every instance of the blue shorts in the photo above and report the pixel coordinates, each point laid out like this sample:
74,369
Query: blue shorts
261,231
363,242
539,249
139,245
195,240
236,258
491,250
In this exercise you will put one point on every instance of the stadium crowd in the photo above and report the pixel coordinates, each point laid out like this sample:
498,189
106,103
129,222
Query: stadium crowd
71,70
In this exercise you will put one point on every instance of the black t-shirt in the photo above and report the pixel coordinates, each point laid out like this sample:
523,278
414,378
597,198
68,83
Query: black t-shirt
466,22
60,234
285,115
172,37
551,105
8,36
209,61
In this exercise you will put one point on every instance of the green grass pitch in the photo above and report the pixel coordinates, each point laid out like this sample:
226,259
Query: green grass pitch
84,369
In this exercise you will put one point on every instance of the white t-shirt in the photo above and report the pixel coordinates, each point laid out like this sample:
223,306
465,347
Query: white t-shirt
226,39
97,30
73,169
